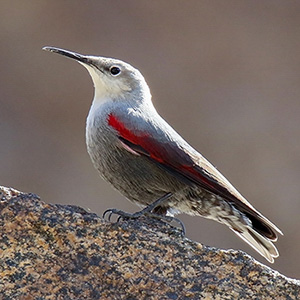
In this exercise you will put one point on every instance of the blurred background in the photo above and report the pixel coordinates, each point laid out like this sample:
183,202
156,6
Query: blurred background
224,74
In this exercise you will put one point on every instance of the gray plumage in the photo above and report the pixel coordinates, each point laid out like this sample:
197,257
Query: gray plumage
143,157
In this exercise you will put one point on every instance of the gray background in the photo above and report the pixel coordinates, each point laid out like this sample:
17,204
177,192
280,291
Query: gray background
224,74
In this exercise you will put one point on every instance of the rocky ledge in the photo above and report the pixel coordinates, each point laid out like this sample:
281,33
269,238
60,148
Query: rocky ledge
52,251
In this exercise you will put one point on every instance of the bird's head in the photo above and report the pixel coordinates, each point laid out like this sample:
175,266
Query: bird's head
113,79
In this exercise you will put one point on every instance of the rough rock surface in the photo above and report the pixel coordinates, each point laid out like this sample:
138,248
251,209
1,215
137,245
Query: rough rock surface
63,252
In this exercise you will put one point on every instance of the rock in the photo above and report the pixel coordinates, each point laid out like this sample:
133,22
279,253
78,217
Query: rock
52,251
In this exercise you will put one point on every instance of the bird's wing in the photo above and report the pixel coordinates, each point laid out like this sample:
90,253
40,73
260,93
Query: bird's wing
188,165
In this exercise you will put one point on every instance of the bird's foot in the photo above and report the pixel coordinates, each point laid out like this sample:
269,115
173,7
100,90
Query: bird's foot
168,219
152,210
120,213
125,215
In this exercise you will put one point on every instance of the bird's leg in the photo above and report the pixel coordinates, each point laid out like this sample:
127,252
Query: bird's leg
147,211
168,219
153,205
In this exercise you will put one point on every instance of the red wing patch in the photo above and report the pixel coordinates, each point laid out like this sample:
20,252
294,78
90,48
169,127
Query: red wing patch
183,166
123,131
144,140
174,159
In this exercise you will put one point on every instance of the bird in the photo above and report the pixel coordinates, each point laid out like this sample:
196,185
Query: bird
146,160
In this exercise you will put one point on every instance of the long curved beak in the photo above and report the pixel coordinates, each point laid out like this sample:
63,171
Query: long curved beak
70,54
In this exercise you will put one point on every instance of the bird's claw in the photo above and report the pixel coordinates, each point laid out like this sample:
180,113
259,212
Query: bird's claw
121,214
109,212
169,219
125,215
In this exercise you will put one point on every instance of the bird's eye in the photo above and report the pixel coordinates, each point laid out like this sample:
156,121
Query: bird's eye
115,70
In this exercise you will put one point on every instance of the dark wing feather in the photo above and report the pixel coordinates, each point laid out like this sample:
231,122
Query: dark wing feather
192,169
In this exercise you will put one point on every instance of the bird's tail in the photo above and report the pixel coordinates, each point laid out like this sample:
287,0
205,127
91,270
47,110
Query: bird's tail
263,245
